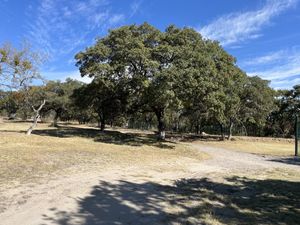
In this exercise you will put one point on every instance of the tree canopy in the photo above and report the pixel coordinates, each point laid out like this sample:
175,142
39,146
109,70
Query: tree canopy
174,79
172,70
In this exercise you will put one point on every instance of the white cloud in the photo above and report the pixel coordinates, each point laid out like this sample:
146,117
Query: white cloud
237,27
135,7
261,60
99,18
72,61
281,67
279,72
287,65
60,27
285,84
116,18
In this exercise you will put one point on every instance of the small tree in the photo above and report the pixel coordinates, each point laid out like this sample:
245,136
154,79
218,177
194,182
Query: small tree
106,98
59,98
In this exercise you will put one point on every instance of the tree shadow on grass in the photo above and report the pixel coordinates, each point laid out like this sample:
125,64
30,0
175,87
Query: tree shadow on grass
108,136
184,137
190,201
287,160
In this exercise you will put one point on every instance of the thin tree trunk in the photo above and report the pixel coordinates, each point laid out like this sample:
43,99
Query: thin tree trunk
102,125
35,118
161,125
198,128
230,130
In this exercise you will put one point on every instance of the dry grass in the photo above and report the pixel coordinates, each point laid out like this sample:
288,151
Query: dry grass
269,197
257,146
54,151
272,197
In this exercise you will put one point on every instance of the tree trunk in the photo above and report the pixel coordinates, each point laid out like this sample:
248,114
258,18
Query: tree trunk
245,129
230,129
33,125
198,126
54,124
102,125
35,118
161,125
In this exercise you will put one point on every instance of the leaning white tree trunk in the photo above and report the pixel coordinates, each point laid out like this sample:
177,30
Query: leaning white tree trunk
36,117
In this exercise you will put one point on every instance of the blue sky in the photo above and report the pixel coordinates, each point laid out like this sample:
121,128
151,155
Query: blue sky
263,35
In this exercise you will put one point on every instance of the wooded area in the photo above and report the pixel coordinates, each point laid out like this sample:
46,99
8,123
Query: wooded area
143,78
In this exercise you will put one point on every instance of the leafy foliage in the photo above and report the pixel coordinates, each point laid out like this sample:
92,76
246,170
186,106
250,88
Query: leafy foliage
185,82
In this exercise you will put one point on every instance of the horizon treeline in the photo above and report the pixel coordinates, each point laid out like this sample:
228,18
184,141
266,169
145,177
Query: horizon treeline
144,78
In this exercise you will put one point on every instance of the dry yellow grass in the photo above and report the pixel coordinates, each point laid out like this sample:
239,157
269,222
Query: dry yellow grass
52,151
245,197
257,146
272,197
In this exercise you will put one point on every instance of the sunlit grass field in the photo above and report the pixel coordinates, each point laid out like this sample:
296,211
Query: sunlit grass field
216,198
54,151
263,146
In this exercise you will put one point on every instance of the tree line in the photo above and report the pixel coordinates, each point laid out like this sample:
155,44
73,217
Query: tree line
142,77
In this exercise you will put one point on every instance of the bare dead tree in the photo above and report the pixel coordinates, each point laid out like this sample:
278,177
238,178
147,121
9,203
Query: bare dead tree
36,117
18,71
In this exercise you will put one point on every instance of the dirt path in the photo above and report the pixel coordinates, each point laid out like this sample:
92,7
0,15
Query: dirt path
226,161
122,195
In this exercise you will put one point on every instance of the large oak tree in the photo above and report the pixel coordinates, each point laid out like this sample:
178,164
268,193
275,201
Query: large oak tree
172,70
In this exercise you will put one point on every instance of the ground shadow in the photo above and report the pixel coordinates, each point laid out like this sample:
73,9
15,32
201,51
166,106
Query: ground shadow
184,137
190,201
108,136
289,160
